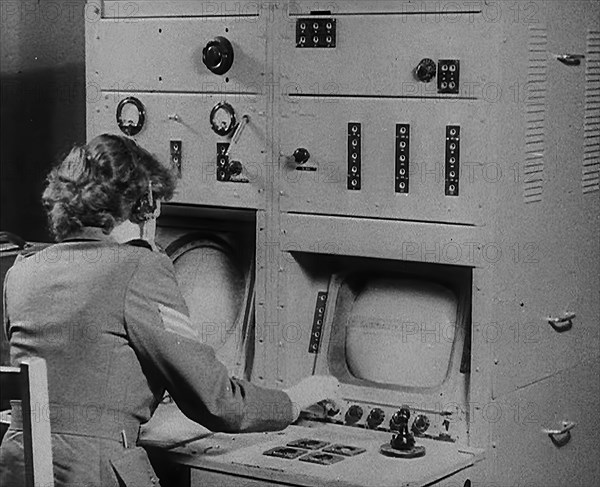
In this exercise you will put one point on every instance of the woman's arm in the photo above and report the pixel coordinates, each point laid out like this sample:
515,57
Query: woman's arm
169,349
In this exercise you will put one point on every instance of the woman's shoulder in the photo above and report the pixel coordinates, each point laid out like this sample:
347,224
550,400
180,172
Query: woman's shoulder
147,256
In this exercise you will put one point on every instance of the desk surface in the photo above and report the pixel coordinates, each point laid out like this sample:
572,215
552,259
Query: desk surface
243,454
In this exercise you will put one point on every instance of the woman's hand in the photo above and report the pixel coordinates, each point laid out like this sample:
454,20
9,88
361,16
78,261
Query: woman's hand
311,390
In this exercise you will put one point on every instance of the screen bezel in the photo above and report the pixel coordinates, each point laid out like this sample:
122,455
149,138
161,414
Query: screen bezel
452,390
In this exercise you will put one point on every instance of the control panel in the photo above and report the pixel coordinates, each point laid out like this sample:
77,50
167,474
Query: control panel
375,162
435,425
369,140
395,164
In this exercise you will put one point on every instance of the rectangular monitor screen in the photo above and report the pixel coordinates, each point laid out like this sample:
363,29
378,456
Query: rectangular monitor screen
395,330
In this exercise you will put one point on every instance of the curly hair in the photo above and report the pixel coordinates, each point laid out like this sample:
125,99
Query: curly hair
98,184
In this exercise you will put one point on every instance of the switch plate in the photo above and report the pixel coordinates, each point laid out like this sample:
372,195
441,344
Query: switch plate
176,151
452,160
354,156
315,334
315,32
223,162
448,76
402,157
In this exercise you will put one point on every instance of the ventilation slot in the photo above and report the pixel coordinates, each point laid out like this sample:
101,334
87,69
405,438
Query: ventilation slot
536,115
590,181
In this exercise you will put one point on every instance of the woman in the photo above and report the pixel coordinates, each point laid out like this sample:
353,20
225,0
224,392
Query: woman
113,327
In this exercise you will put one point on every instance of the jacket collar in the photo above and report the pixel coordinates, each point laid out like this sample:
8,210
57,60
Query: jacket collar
96,234
89,233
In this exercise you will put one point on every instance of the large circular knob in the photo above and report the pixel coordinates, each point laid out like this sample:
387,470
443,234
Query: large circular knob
353,414
425,70
375,418
217,55
301,155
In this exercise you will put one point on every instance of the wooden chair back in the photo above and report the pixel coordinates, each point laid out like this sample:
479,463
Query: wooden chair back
29,384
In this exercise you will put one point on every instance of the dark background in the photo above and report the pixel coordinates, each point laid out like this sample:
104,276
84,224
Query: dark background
42,89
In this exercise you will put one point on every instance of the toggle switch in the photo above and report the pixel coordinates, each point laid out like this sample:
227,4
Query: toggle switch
217,55
402,444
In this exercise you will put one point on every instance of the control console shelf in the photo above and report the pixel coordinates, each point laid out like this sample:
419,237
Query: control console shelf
248,455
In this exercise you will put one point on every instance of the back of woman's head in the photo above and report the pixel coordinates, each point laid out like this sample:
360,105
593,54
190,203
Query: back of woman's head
98,185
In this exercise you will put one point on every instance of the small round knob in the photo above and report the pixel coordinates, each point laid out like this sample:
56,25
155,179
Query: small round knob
301,155
375,418
420,424
353,414
217,55
235,168
425,70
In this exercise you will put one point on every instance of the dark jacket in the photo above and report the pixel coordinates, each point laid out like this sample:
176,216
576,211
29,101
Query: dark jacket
113,327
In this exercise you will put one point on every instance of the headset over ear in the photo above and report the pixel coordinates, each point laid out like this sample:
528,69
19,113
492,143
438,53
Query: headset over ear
144,208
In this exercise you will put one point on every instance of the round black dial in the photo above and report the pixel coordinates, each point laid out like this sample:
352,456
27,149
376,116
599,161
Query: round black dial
375,418
301,155
425,70
217,55
353,414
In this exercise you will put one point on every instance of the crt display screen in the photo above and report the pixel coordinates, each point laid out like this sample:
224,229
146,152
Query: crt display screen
395,331
213,288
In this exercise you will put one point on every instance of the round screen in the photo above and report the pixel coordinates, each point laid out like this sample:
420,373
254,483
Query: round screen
401,332
213,288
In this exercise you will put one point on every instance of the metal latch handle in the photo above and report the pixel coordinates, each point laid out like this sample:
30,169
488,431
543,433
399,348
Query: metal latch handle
561,437
570,59
562,324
